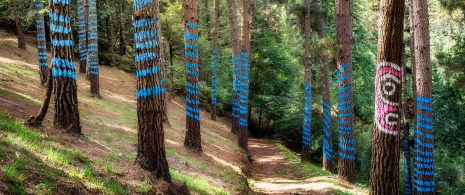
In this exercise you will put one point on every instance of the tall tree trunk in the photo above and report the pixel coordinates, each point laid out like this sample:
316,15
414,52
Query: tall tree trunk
170,47
406,128
36,121
151,153
388,84
214,57
244,79
42,44
325,93
122,37
63,71
346,162
236,61
307,124
423,169
92,49
82,32
19,30
288,12
110,34
191,36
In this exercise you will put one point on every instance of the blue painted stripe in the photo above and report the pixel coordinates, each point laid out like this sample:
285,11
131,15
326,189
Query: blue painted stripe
62,43
344,67
191,25
150,91
140,4
59,29
146,45
145,34
63,63
58,17
192,37
56,72
193,115
346,148
421,143
145,22
190,101
144,57
346,156
148,71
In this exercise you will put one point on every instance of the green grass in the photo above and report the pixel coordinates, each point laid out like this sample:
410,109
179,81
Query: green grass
21,96
143,187
197,184
13,172
290,156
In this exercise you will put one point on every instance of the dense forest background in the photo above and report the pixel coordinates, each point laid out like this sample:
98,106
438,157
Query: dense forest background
276,89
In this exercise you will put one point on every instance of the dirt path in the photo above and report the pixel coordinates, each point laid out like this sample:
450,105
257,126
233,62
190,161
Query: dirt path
274,174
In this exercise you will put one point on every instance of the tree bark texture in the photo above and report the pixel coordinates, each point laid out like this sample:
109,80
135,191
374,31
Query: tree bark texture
406,128
92,49
63,70
110,35
191,36
236,62
384,177
214,57
327,139
423,169
19,30
346,162
306,134
41,44
82,32
244,79
122,36
151,153
36,121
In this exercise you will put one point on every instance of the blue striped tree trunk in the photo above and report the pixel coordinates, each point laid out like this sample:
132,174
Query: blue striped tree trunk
63,70
306,133
192,139
82,32
214,58
42,44
92,49
151,153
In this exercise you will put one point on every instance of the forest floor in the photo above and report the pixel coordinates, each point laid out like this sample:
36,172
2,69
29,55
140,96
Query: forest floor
49,161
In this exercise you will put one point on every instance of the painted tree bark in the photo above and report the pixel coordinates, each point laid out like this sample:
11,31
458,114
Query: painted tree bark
325,93
244,79
192,139
406,141
384,177
151,153
423,161
214,57
236,62
42,44
406,128
82,32
346,162
306,139
92,49
63,70
19,30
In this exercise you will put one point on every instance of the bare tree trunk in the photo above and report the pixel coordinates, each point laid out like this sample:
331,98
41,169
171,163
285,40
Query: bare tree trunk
42,44
325,93
214,58
346,162
244,79
192,139
63,70
406,128
110,35
384,177
151,153
235,45
288,12
82,32
36,121
19,30
122,36
423,161
307,123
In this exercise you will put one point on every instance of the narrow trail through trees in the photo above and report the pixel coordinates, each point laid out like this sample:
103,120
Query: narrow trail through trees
274,171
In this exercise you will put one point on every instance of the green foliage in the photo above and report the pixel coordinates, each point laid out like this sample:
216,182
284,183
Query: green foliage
197,184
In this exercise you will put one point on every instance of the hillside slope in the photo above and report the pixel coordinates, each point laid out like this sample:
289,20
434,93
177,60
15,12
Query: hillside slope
49,161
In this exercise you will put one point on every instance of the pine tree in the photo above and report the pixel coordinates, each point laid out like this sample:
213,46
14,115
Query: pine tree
191,36
42,44
92,49
82,32
325,93
346,162
384,177
19,29
214,57
243,88
63,71
151,153
423,161
306,141
236,62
